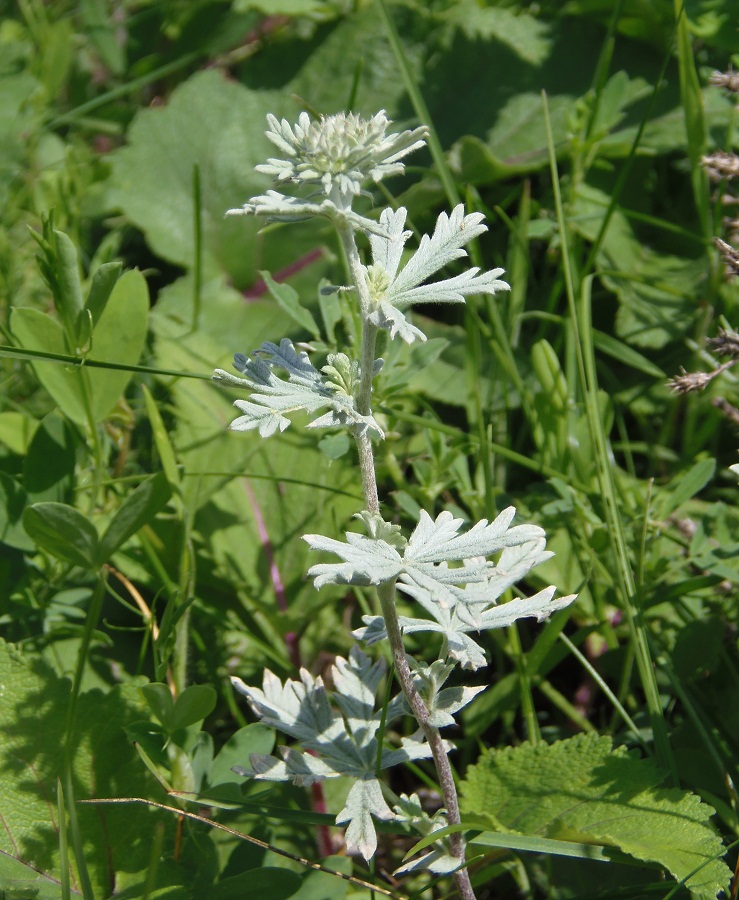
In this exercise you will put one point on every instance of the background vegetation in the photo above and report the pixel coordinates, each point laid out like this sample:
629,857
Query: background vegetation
173,555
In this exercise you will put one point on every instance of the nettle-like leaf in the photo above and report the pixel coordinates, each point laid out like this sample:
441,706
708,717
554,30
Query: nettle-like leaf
459,599
584,790
335,740
306,389
393,291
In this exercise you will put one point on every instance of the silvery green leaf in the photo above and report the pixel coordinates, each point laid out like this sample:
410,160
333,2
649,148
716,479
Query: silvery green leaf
364,801
436,540
439,860
432,544
273,398
442,703
387,251
337,735
450,235
453,290
279,207
298,708
454,622
411,748
388,317
366,560
393,291
299,768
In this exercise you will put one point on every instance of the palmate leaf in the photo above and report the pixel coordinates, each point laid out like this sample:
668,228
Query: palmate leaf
460,599
306,389
434,542
394,291
458,645
340,741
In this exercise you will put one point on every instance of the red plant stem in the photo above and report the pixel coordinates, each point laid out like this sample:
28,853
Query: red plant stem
259,288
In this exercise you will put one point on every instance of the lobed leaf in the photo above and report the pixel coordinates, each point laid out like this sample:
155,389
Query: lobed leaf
337,742
306,389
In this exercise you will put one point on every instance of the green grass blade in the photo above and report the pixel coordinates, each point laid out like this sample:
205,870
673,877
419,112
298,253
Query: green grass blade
420,108
695,125
580,321
68,360
63,846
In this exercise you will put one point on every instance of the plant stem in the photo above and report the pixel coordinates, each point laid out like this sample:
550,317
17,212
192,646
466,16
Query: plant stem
367,362
386,592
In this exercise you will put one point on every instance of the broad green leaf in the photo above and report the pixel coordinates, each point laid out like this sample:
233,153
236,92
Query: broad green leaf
152,174
159,698
16,431
20,881
163,444
526,35
33,719
277,884
289,301
236,751
581,789
13,501
138,508
64,532
656,291
48,469
193,705
35,330
118,337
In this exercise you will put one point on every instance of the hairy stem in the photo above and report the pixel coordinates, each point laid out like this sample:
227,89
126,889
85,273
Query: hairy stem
367,362
386,592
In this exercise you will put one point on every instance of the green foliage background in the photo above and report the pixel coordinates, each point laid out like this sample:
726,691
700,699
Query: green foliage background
129,129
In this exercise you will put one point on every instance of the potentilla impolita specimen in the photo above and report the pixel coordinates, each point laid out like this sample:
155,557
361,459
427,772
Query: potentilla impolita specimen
455,575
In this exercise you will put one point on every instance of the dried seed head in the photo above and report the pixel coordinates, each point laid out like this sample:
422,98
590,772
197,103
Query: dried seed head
686,382
729,255
728,80
721,166
726,343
